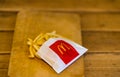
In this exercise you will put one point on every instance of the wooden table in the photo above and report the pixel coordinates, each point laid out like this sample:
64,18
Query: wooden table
30,24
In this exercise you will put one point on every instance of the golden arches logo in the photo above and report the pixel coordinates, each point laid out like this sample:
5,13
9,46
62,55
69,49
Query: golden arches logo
62,47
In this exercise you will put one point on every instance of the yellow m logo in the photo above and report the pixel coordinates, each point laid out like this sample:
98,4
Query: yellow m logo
62,47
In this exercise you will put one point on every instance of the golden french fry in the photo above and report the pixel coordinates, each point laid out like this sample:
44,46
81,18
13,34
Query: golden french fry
46,37
40,41
38,37
37,56
36,47
31,52
29,42
35,44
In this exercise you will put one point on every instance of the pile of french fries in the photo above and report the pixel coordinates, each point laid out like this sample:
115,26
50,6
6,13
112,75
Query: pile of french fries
35,44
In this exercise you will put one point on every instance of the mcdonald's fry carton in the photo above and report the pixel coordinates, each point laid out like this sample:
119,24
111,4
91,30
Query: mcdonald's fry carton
59,53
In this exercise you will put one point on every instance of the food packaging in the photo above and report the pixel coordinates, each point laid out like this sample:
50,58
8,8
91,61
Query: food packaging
59,53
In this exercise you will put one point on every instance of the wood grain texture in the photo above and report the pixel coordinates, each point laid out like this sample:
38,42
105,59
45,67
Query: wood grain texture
102,65
109,60
30,24
3,72
101,41
71,5
7,20
100,21
4,61
4,52
102,72
6,41
4,65
4,58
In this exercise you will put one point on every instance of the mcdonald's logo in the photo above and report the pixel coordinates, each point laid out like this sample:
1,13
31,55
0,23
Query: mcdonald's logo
64,50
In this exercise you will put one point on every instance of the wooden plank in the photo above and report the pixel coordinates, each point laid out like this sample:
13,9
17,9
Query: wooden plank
97,41
4,58
102,65
102,72
7,20
80,10
4,65
4,52
72,5
4,61
100,21
3,72
6,41
109,60
30,24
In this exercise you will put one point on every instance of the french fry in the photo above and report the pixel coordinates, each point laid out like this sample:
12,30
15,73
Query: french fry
31,52
38,37
40,42
35,44
36,47
29,42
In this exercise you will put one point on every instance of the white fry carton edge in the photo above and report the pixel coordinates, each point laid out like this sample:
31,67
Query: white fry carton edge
56,61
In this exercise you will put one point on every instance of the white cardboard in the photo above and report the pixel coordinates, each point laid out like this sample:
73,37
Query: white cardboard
53,59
